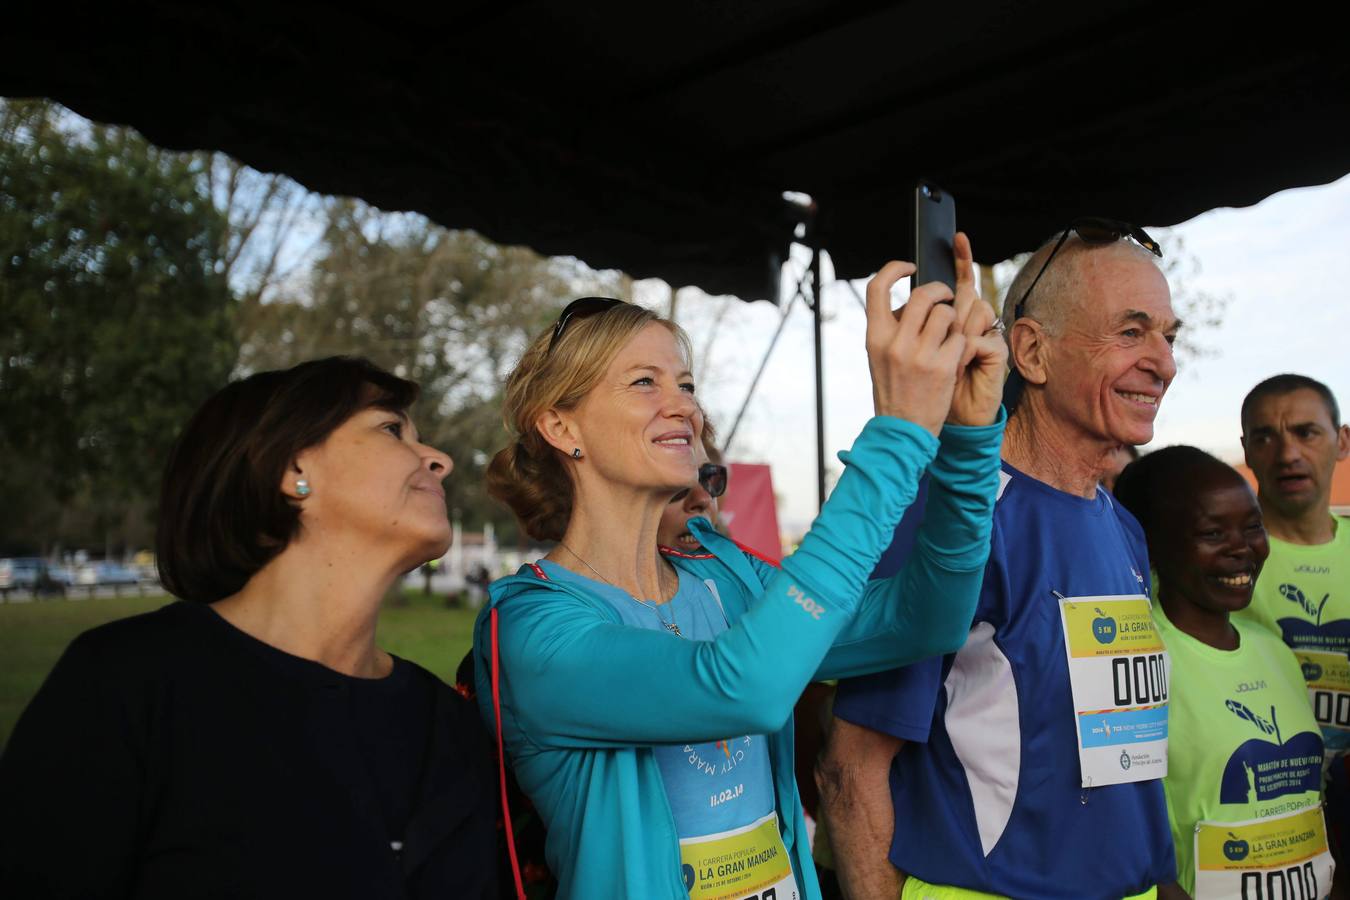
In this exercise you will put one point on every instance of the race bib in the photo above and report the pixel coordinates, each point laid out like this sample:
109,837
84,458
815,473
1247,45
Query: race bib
1118,675
1328,679
1279,858
749,863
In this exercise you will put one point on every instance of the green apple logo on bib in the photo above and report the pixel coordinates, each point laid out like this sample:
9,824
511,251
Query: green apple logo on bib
1103,627
1235,849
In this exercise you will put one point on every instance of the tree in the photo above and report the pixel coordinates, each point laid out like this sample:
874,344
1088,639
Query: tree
115,320
270,235
447,309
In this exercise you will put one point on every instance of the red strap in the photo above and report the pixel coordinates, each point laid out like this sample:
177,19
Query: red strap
757,555
501,763
671,551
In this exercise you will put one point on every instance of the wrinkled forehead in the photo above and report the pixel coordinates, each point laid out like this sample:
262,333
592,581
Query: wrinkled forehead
1120,281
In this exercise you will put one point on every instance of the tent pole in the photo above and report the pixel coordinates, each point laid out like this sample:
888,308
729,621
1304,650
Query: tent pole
759,373
816,297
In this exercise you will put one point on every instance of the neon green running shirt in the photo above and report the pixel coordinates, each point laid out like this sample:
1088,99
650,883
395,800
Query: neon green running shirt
1244,744
1303,595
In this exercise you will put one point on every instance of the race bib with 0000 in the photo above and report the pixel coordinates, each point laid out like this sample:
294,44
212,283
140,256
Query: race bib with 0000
1328,679
749,863
1118,676
1279,858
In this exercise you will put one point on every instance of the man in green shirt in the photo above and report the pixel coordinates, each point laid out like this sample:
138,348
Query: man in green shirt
1293,437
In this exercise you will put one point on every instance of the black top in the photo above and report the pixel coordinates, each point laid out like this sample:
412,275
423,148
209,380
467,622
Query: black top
170,755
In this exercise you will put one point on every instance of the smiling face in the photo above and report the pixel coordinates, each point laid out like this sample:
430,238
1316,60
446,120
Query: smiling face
1109,361
1292,446
374,484
639,425
687,504
1211,544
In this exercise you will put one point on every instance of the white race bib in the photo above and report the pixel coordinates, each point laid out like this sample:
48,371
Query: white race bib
749,863
1118,674
1328,678
1279,858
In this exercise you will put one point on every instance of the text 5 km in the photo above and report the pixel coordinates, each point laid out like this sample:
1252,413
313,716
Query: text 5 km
798,596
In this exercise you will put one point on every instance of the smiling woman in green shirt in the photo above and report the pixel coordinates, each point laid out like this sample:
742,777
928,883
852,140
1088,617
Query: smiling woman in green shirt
1244,765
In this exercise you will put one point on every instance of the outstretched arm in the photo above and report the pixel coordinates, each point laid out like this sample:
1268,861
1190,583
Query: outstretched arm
575,677
644,687
925,609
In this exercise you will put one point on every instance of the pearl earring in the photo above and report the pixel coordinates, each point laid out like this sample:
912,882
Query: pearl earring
302,487
576,453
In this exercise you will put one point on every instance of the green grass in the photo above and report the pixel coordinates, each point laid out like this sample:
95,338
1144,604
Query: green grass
32,636
427,633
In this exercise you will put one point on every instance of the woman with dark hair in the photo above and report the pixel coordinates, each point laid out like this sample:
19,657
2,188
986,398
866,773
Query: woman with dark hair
644,697
252,740
1244,768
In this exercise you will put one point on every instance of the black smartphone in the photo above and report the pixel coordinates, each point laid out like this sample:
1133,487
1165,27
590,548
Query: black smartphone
934,231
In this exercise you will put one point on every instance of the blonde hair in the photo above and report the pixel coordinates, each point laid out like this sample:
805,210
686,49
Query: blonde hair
529,476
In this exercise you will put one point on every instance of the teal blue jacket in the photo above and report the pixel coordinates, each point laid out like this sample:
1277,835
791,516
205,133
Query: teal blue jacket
584,698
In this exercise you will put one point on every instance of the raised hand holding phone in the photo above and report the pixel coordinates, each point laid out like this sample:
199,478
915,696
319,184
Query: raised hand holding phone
984,363
934,232
913,352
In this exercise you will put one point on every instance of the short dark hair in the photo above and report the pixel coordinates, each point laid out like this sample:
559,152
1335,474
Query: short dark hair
1152,480
1279,385
222,515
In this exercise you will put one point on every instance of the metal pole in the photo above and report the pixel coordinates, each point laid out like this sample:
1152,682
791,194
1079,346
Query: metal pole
763,364
816,297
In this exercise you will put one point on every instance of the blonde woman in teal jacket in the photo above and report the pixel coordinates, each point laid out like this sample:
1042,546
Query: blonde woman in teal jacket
646,697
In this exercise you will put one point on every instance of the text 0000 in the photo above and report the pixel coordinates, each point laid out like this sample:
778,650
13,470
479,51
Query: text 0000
1331,708
1139,679
1293,883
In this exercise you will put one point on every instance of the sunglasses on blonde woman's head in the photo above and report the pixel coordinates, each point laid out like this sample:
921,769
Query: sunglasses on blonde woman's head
1095,232
580,309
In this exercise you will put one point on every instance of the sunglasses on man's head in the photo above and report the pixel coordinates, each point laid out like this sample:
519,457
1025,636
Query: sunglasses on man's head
580,309
1096,232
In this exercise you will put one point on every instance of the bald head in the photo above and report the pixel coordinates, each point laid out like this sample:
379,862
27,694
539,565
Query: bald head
1093,347
1069,281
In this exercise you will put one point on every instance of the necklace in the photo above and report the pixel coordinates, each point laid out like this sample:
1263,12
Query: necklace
668,626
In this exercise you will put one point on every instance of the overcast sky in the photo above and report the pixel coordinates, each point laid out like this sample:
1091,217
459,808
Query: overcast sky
1281,263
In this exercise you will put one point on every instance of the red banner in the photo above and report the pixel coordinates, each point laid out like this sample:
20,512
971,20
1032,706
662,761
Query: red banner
748,510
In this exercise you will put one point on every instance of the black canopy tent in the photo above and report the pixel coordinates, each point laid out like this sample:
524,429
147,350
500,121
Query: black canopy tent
659,138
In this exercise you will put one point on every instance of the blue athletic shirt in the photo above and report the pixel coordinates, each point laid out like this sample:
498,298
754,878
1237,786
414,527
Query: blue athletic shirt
713,786
987,787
